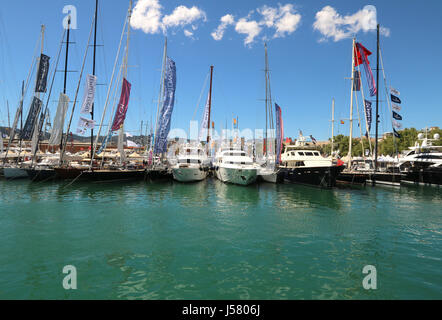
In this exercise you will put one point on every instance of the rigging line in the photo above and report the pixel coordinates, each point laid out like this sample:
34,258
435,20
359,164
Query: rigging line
114,105
360,124
365,113
76,94
108,91
201,95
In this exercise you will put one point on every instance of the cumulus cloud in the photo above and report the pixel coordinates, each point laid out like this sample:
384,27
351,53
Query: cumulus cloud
284,19
226,20
182,16
332,25
250,28
147,16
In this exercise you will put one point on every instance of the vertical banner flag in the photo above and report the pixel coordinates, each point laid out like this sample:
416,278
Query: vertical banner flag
167,108
14,125
362,57
395,99
57,130
368,114
89,94
394,91
86,123
42,75
396,134
357,81
313,139
397,124
397,116
28,129
279,133
120,115
205,122
396,107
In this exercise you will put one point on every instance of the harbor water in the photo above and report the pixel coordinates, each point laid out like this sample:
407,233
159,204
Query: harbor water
209,240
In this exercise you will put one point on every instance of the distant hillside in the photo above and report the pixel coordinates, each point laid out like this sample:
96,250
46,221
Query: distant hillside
137,139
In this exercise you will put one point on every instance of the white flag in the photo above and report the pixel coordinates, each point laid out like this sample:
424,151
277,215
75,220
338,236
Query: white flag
89,94
86,123
394,91
128,135
397,125
81,131
57,130
132,144
396,107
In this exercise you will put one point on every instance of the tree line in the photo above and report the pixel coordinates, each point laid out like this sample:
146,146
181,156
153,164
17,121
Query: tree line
388,145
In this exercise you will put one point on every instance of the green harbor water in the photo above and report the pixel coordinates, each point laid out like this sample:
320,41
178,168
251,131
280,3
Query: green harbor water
210,240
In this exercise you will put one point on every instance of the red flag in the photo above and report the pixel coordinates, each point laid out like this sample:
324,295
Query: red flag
122,106
358,56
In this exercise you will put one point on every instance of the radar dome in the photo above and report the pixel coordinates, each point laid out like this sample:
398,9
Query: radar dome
436,136
420,136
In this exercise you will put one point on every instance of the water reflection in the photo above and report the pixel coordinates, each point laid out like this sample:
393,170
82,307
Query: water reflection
230,194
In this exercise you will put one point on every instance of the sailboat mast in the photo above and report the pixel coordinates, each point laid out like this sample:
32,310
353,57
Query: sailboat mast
210,103
126,58
333,127
351,104
93,68
377,104
266,101
66,70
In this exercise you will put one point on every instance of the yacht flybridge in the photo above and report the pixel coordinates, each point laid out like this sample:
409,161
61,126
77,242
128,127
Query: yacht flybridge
192,164
303,163
232,165
423,162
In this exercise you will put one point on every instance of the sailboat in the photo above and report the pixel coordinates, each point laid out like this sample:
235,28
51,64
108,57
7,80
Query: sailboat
18,170
158,164
44,170
269,172
104,171
193,163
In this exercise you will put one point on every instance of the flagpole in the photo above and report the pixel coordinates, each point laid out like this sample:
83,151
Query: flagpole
351,104
333,126
377,108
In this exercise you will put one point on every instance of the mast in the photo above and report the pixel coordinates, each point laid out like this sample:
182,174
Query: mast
351,104
66,71
9,120
333,127
124,75
93,68
210,103
377,105
266,102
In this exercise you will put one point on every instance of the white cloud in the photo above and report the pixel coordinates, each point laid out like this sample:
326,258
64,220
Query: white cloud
147,16
188,33
226,20
182,16
250,28
332,25
283,19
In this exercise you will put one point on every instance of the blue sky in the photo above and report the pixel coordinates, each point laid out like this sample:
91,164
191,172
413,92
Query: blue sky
308,66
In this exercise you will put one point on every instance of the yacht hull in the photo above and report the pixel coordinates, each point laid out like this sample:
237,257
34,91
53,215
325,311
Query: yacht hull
324,177
189,174
15,173
429,177
99,175
236,175
37,175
